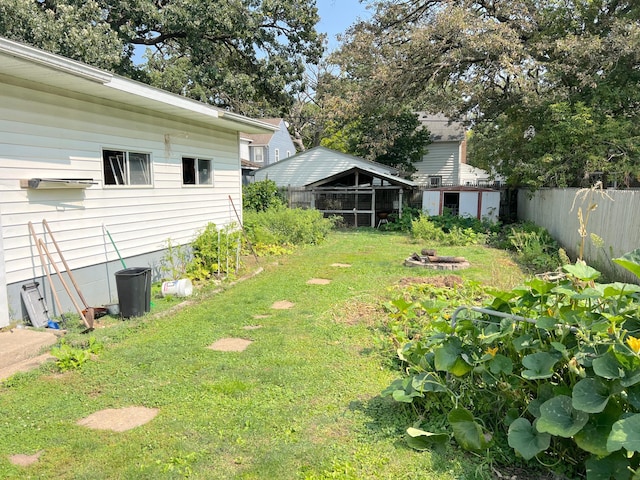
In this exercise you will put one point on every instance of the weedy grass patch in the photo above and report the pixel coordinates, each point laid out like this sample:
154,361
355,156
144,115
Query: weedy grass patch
301,402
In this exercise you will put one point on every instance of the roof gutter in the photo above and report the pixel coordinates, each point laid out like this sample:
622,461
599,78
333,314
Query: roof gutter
51,60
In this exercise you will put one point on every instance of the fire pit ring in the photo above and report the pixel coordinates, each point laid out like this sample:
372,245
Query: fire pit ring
429,259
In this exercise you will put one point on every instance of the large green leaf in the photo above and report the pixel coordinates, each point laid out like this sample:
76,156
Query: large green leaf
501,364
594,435
448,358
625,434
616,289
538,365
607,366
427,382
633,396
618,365
467,432
581,271
558,417
422,440
540,286
526,440
630,261
401,390
614,466
590,395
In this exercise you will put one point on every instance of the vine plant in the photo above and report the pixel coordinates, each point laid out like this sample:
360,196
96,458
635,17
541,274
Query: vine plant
560,377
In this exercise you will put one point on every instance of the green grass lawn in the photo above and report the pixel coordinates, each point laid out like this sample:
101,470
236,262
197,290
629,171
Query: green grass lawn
302,402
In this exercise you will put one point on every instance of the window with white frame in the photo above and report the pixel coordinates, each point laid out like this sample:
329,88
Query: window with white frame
121,167
435,181
257,155
197,171
276,154
288,153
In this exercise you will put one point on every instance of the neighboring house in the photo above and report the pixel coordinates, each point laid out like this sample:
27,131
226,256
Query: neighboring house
445,163
360,191
92,152
451,184
266,148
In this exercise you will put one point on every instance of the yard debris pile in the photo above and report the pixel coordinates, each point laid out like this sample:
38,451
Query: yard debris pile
430,259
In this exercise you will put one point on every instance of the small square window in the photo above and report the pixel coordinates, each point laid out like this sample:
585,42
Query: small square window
126,168
435,181
197,171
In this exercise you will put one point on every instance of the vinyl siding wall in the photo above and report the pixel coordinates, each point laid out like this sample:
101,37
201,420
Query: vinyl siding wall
442,159
281,140
46,135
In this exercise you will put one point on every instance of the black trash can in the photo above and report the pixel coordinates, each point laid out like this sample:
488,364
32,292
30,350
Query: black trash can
134,291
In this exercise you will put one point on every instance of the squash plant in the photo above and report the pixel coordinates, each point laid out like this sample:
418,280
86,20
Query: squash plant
553,365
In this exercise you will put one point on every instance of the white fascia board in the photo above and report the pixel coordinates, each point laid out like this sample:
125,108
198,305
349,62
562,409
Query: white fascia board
51,60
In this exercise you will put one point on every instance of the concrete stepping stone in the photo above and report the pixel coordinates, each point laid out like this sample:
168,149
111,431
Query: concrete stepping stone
25,460
318,281
230,345
252,327
282,305
119,419
341,265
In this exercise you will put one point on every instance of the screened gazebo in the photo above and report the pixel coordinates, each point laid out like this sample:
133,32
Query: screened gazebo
361,196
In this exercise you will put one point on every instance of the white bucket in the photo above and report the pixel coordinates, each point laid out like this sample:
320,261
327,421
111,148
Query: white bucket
179,288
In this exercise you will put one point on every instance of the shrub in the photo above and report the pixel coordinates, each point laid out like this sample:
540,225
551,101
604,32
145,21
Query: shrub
424,229
402,223
286,226
261,196
550,370
214,251
535,248
427,229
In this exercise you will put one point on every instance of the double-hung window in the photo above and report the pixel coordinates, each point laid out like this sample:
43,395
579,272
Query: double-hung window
121,167
257,155
197,171
276,155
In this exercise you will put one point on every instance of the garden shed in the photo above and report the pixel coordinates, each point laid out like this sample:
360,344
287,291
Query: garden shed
362,192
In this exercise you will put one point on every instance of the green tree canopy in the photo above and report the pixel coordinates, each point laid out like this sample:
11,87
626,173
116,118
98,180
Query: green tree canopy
246,55
550,88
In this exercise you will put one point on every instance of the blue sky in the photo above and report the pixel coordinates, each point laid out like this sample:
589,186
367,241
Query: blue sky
338,15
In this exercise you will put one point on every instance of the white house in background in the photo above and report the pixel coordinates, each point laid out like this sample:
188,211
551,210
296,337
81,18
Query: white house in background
93,152
445,163
266,148
452,184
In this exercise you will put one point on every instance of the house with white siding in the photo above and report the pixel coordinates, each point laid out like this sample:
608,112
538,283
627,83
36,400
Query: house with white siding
94,153
445,163
451,185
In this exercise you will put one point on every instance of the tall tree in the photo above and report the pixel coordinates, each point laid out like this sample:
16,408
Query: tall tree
551,88
246,55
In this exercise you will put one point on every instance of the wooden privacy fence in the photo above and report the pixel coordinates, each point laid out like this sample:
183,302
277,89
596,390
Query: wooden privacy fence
616,220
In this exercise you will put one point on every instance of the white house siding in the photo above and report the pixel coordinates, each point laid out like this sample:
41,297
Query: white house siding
44,134
442,159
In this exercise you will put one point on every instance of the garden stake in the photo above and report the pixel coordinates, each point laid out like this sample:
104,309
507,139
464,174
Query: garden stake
243,231
89,312
64,284
114,246
46,271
